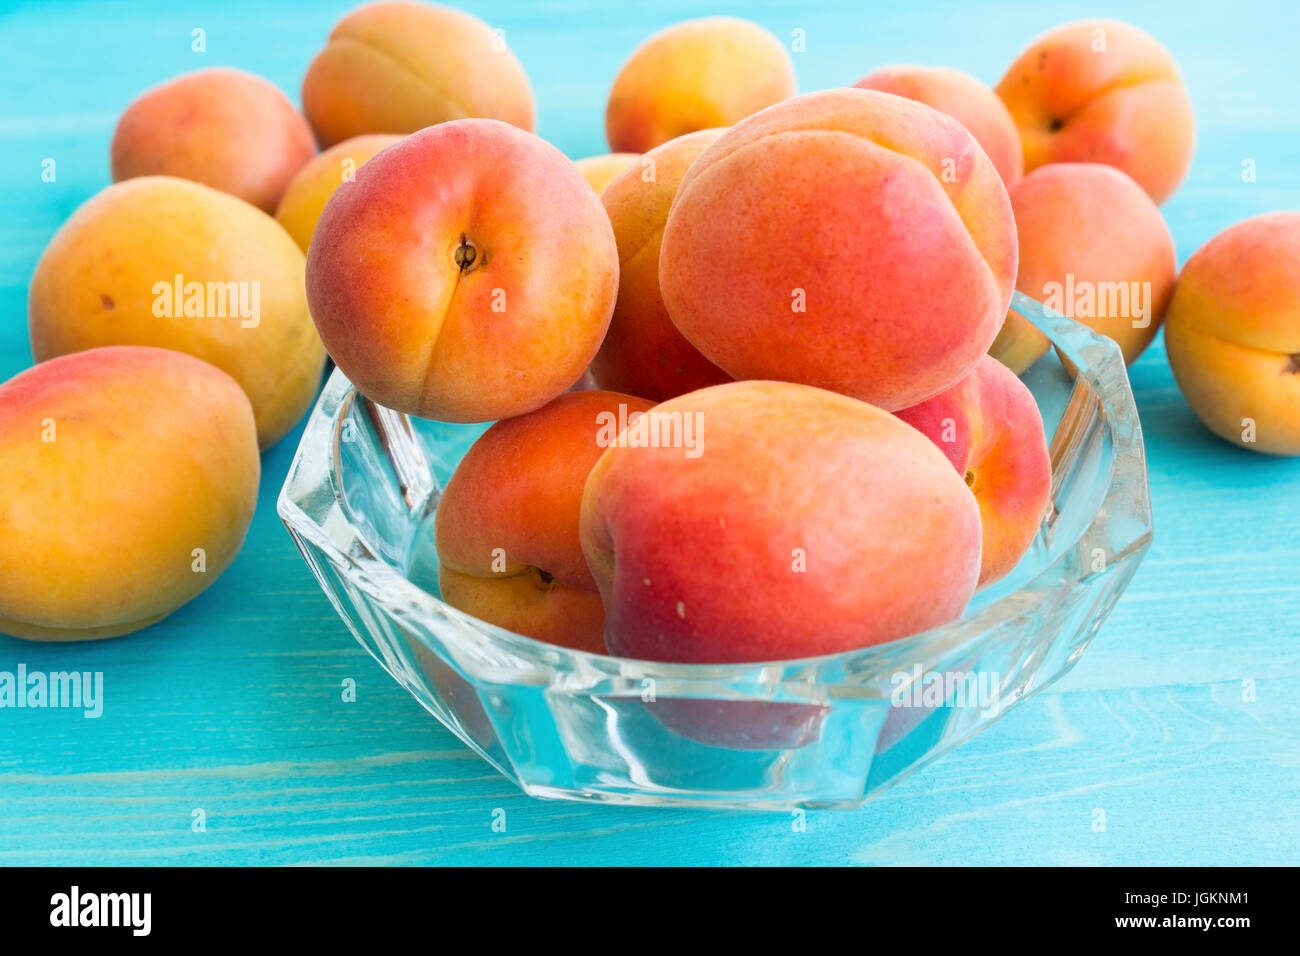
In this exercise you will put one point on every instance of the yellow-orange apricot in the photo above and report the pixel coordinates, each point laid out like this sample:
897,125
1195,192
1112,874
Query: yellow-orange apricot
966,100
1101,91
781,224
399,66
302,203
507,523
829,525
1233,333
599,171
1095,247
698,74
643,353
224,128
129,477
170,263
468,274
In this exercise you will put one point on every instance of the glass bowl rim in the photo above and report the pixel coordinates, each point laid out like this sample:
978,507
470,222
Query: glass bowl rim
387,587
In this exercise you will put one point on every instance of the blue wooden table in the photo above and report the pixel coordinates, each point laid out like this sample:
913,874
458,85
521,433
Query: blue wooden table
1181,724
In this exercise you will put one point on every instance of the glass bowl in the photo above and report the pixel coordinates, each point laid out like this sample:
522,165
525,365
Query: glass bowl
818,732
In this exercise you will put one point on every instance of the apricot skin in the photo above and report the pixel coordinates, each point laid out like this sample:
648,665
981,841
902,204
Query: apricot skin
467,274
989,426
643,353
1233,333
1095,223
220,127
1102,91
399,66
966,100
808,523
117,464
698,74
304,200
600,171
768,248
100,281
519,490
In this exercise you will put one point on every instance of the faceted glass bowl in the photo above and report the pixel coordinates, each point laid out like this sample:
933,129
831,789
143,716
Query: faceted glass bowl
816,732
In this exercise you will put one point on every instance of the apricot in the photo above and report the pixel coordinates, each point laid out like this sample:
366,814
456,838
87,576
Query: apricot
643,353
468,274
1095,247
301,205
1019,343
167,262
599,171
223,128
698,74
1101,91
966,100
506,528
397,67
1233,333
989,426
757,521
849,239
130,477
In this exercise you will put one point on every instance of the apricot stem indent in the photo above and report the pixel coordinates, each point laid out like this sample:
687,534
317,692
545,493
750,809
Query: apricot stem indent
465,254
542,580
